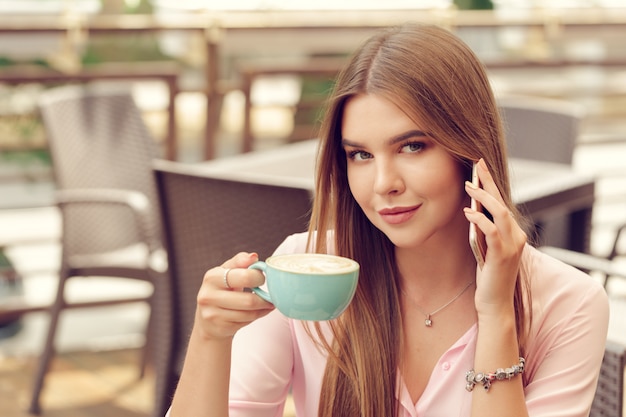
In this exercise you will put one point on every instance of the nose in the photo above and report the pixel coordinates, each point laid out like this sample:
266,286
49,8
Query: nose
388,179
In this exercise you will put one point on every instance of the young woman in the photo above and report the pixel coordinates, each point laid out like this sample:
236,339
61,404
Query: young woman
428,333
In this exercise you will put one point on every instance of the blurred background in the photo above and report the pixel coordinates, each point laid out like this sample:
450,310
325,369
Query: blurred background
215,79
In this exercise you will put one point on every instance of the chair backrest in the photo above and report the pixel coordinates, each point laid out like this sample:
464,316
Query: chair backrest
540,128
98,140
609,398
207,219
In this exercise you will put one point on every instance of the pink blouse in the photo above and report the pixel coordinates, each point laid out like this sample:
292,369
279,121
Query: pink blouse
565,347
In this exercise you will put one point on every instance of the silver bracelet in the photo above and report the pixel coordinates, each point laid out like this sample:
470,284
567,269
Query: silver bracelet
487,378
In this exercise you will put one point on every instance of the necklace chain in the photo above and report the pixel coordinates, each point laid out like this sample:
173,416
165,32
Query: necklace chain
428,321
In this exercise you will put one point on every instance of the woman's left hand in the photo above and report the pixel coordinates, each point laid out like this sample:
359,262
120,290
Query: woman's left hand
495,282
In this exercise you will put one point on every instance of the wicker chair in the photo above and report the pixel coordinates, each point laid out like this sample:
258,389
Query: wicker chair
102,154
207,219
609,398
540,128
545,130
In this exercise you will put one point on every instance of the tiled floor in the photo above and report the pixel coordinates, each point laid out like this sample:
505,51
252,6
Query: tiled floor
80,384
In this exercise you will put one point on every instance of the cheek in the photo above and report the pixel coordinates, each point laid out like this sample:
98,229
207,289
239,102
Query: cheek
452,190
445,185
455,196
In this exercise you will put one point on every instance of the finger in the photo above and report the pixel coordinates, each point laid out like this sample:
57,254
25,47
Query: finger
233,303
241,260
486,180
223,321
240,278
220,277
237,318
214,296
481,195
489,195
503,234
501,217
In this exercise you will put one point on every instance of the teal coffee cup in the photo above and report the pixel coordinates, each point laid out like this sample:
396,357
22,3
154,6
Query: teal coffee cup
308,286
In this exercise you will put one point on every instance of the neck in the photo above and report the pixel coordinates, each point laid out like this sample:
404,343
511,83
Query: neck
425,272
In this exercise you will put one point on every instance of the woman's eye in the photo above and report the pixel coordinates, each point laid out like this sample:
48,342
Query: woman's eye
358,155
413,147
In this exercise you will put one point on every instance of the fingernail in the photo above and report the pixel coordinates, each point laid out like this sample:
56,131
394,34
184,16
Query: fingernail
471,185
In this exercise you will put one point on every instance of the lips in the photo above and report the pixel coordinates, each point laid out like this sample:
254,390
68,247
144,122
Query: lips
398,215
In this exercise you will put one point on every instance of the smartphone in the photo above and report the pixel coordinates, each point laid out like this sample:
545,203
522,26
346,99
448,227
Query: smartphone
477,239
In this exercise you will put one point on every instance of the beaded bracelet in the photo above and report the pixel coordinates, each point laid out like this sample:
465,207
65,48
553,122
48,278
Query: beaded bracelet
486,379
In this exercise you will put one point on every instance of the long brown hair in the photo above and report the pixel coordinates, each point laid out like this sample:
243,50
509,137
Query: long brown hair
435,78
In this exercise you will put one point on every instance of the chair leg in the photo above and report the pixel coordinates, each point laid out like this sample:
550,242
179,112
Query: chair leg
147,348
161,342
48,350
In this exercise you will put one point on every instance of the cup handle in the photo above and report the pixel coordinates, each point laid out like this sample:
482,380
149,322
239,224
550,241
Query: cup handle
261,266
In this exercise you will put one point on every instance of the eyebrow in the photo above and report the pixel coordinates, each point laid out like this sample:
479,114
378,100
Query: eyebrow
391,141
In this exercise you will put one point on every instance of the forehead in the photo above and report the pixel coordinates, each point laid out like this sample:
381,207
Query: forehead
367,115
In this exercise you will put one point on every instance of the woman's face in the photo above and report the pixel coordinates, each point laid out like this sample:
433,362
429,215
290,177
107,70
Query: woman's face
408,186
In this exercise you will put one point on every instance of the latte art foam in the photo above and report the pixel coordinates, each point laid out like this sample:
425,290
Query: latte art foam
312,263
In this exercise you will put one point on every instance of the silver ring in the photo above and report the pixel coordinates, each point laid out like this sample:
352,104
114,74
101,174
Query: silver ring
226,271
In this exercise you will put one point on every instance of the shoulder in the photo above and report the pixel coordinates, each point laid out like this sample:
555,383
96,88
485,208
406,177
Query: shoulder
554,284
552,280
567,335
565,300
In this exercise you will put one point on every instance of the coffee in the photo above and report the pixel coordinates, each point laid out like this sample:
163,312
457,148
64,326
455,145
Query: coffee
312,263
308,286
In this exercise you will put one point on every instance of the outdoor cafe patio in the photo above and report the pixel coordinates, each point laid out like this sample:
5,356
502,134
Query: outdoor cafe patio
236,93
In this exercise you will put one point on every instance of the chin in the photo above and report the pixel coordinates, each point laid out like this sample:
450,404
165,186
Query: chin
405,241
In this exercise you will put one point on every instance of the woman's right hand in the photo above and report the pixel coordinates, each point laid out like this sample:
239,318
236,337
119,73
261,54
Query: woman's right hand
222,311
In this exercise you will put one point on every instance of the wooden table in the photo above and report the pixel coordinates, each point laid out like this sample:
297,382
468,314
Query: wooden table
544,191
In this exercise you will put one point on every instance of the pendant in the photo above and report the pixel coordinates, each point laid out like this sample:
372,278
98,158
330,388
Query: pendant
428,322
